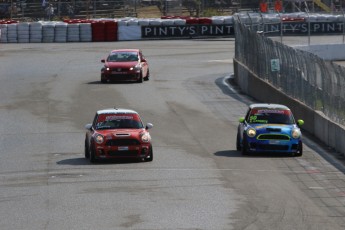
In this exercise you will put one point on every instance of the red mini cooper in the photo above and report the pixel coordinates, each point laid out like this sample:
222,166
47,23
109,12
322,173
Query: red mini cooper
118,133
125,65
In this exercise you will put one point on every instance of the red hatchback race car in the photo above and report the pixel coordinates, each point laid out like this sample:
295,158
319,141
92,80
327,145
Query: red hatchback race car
118,133
125,65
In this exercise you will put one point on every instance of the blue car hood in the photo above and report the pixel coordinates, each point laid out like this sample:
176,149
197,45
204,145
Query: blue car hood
274,128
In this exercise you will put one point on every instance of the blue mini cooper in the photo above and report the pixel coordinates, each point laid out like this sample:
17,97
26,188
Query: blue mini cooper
269,128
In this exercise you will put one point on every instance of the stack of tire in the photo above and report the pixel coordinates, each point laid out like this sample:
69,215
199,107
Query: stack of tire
35,32
85,32
23,32
48,32
73,33
98,28
104,30
12,35
111,28
60,32
3,35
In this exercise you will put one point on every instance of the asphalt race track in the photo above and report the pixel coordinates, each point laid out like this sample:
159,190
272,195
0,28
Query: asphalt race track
197,180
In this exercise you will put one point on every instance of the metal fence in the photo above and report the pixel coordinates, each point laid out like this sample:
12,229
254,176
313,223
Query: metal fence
302,75
59,9
38,9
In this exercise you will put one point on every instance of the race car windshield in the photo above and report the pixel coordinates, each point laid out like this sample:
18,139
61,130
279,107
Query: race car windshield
267,116
123,57
118,122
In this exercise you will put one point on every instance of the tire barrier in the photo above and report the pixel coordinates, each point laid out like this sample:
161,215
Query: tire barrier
12,36
167,27
111,29
60,32
36,32
48,32
23,32
100,30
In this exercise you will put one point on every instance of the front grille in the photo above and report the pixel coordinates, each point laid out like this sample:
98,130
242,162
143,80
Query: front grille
129,153
122,142
273,137
122,77
120,69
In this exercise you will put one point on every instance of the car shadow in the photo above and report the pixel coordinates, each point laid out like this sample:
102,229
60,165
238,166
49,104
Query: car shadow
94,83
235,153
228,153
111,83
84,161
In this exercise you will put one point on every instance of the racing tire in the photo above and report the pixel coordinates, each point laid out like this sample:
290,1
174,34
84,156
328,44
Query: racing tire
86,150
299,153
238,142
150,158
140,80
147,76
244,150
103,80
92,155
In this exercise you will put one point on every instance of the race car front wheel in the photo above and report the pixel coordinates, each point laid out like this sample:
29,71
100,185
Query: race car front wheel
103,80
150,156
300,150
244,146
147,75
238,142
140,80
92,155
86,150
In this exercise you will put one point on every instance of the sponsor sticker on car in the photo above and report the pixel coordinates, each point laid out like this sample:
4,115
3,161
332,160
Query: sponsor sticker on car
274,142
122,148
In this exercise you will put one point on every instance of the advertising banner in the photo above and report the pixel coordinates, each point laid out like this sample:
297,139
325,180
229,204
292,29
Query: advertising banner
186,31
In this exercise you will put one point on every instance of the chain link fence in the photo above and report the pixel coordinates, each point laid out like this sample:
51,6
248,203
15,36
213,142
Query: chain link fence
302,75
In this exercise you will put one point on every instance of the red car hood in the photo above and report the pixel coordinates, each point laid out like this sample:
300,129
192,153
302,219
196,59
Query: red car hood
121,133
121,64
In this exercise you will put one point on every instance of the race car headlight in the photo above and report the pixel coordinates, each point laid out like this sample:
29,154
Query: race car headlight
251,132
107,68
145,137
135,68
295,133
99,139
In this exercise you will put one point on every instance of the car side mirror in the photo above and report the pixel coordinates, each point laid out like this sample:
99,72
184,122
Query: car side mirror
103,61
241,120
300,122
143,60
88,126
149,126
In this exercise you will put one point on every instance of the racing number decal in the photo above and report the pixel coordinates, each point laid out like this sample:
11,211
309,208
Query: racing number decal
253,119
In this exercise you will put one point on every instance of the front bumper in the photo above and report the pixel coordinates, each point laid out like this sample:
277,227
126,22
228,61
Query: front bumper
120,76
115,152
291,146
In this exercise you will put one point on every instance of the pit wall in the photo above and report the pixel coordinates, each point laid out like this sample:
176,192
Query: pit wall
328,132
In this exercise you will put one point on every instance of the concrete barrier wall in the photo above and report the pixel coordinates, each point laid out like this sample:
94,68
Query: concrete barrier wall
316,123
328,52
